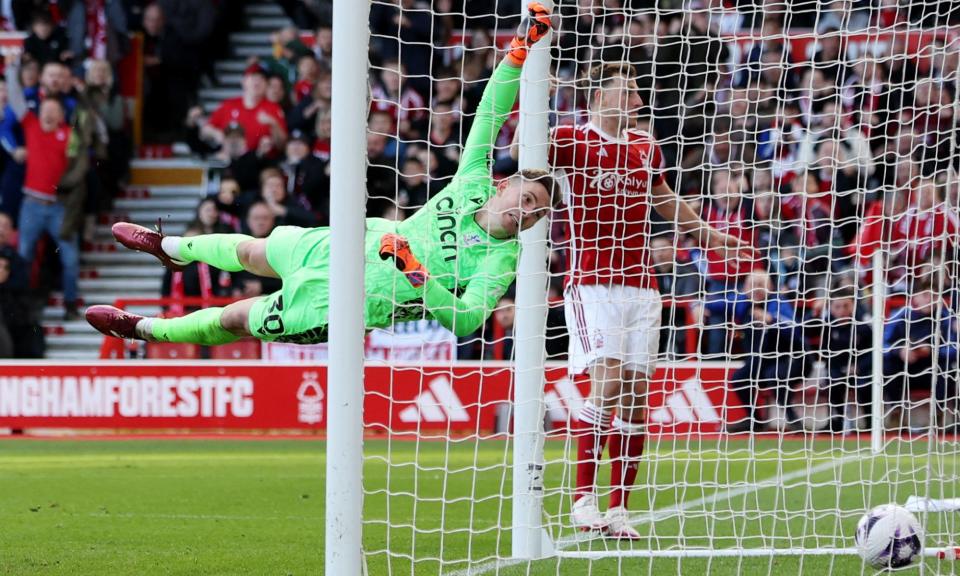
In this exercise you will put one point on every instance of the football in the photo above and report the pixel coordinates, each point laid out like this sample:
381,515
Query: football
889,536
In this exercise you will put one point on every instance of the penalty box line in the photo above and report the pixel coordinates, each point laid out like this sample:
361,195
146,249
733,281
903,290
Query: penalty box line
663,513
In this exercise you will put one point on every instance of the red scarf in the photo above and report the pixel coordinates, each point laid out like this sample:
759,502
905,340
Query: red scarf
177,292
96,29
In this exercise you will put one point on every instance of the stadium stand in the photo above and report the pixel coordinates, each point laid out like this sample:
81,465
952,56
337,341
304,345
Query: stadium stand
807,149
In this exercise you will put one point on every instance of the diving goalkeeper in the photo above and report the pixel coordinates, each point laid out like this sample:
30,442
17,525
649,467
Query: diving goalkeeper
451,261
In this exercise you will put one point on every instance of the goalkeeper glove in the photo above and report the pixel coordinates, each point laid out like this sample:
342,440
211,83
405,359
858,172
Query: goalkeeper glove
532,29
396,246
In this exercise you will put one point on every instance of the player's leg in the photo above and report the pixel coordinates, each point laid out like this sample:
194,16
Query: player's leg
229,252
587,314
628,436
207,327
642,313
592,431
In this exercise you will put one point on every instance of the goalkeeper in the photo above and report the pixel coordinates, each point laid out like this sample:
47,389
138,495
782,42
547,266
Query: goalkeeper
451,261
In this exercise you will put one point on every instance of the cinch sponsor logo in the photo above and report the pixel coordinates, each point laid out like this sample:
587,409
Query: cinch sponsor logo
447,225
126,396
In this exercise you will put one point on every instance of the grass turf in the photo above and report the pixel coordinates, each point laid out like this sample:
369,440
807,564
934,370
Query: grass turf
202,507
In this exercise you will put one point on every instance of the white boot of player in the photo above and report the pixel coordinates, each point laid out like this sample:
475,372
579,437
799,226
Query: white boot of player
618,525
585,514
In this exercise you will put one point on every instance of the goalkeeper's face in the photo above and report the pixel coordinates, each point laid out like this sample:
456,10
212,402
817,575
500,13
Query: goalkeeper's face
518,205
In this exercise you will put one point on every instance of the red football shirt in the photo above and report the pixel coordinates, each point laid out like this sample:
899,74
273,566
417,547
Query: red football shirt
233,110
609,182
46,157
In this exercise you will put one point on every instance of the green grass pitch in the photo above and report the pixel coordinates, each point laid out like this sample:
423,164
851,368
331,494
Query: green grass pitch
198,507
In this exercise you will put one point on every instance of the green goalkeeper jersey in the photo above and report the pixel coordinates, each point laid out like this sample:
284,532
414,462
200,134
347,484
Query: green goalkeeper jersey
469,269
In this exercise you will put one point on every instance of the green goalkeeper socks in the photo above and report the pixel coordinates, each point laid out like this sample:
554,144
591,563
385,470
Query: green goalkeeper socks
200,327
217,250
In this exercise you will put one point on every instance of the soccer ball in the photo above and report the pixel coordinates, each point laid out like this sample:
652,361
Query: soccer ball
889,536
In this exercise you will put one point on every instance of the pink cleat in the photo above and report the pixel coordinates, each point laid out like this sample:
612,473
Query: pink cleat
114,321
143,239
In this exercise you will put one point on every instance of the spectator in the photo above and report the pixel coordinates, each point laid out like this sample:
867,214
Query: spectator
308,72
258,117
8,235
307,180
381,122
724,268
277,93
405,23
306,13
840,341
303,116
97,29
20,334
55,82
169,73
808,213
919,340
198,279
46,136
679,281
113,159
287,49
242,164
414,185
286,209
501,348
773,348
321,143
47,42
929,228
260,222
228,203
323,43
395,96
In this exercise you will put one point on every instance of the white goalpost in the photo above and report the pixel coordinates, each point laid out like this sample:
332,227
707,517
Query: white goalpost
794,391
529,540
344,466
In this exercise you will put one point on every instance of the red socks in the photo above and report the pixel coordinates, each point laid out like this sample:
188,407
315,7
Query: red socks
591,429
626,447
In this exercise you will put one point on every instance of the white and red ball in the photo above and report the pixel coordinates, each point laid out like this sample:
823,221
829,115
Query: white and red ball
889,536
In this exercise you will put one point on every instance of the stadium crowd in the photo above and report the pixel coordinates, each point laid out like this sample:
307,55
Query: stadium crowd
819,150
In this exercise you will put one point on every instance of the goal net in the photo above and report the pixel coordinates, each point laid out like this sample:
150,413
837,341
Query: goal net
797,384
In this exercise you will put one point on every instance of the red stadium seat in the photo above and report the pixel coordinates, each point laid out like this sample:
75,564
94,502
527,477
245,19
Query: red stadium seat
172,351
248,349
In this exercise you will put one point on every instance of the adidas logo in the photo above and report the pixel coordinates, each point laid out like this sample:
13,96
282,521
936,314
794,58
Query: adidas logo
688,403
563,400
439,403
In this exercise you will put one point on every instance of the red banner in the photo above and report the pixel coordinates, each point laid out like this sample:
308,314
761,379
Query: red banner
463,398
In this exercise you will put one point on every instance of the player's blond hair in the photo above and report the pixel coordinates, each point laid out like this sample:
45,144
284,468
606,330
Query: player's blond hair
601,75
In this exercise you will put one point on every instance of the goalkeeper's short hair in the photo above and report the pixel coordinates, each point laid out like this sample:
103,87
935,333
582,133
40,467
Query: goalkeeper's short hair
544,178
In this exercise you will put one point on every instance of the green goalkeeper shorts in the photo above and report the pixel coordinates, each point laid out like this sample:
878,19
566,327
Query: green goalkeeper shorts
297,313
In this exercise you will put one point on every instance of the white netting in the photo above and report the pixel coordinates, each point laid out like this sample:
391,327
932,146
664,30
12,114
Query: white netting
822,134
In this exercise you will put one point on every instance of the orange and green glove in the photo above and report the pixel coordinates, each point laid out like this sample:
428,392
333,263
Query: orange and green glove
532,29
396,246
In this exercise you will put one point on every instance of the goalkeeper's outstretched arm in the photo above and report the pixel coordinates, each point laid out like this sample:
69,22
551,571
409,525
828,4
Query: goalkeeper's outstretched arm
500,94
464,314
